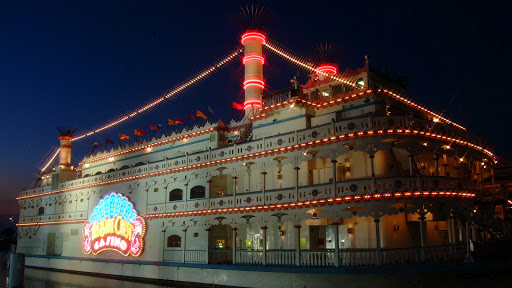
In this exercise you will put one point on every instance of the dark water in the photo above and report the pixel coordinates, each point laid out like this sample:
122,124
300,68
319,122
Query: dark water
37,278
482,278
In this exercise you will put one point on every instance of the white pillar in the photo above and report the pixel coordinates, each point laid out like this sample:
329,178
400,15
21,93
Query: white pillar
336,244
436,163
234,190
411,164
377,236
422,235
207,245
184,244
297,183
234,245
264,228
374,181
263,186
297,246
334,176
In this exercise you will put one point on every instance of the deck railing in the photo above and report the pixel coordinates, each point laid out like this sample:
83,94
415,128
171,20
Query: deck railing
324,258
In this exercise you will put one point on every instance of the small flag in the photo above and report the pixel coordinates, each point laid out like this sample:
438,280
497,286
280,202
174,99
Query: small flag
200,114
139,132
155,127
108,141
211,110
191,117
96,145
238,106
123,137
178,120
171,122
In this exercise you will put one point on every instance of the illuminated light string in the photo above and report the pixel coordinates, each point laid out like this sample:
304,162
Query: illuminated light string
290,205
253,58
304,145
254,83
150,146
250,103
250,35
51,160
162,99
436,117
396,96
328,68
307,66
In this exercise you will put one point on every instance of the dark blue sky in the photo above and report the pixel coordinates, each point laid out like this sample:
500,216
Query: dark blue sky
70,63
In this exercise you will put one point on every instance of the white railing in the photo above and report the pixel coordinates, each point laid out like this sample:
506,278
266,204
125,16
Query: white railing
280,257
173,255
195,256
357,257
317,258
249,257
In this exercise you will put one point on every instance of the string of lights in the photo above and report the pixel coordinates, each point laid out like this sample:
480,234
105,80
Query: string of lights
303,64
50,160
291,205
304,145
162,99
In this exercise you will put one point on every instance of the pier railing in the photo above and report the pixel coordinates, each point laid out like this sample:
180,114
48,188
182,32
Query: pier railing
323,258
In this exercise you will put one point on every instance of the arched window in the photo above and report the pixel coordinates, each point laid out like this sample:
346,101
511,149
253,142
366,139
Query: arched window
98,173
124,167
111,170
176,194
139,164
41,211
197,192
174,241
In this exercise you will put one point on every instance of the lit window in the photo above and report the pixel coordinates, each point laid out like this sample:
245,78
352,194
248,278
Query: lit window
220,192
360,82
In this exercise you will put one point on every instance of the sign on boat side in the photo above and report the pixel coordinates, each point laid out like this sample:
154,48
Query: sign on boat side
114,225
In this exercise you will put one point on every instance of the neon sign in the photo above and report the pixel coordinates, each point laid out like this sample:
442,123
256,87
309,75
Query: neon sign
114,225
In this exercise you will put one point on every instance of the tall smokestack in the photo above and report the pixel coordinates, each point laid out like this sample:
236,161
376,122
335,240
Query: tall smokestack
254,83
65,137
65,152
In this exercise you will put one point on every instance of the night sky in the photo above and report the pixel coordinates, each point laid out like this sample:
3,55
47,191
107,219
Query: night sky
80,64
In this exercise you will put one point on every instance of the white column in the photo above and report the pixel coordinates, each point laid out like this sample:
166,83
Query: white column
234,245
209,192
410,164
436,163
374,181
264,228
297,183
184,244
263,186
336,244
234,190
297,246
334,176
422,235
377,236
207,245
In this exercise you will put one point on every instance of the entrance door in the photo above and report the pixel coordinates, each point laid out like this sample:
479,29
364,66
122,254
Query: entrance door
50,244
316,237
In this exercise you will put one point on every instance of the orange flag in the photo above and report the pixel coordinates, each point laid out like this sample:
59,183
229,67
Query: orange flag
200,114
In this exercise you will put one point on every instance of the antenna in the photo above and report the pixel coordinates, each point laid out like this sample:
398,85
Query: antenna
252,17
326,53
66,131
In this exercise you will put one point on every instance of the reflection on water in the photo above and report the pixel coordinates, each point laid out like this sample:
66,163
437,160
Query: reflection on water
37,278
